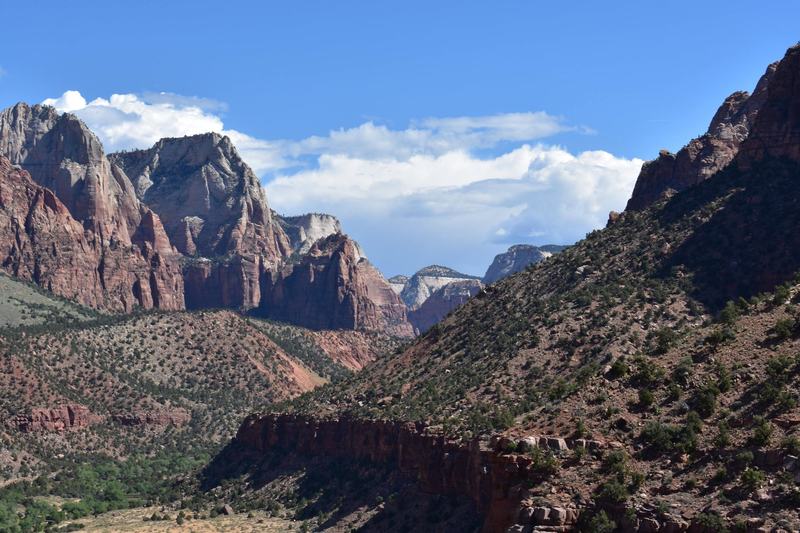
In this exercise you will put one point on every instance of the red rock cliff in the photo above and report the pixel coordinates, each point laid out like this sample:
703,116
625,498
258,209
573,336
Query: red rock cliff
705,155
334,287
491,480
40,241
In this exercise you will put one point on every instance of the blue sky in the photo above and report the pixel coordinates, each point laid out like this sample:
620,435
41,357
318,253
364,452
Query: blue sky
423,94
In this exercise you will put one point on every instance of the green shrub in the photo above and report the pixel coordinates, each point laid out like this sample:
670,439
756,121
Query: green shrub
613,492
752,479
762,431
646,398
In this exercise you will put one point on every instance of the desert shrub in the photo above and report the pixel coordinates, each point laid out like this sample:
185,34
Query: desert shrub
752,479
646,398
613,492
762,431
783,329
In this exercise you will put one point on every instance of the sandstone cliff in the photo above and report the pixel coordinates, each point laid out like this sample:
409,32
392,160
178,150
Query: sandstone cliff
334,287
516,259
185,223
705,155
443,300
426,281
776,132
214,209
41,242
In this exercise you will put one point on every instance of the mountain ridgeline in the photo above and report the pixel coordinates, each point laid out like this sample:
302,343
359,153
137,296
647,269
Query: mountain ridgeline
182,225
643,379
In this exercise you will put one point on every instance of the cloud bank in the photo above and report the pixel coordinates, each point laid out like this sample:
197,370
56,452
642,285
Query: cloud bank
453,190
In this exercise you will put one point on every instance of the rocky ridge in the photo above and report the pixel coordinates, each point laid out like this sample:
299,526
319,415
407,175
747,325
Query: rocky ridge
625,340
184,224
517,258
705,155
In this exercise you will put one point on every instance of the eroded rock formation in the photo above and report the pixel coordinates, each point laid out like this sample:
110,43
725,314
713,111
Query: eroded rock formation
440,466
439,304
705,155
65,417
40,241
516,259
334,287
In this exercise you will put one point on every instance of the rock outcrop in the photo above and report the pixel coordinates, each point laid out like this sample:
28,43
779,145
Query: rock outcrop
516,259
213,207
118,249
304,230
428,280
65,417
705,155
442,302
490,479
776,132
334,287
40,241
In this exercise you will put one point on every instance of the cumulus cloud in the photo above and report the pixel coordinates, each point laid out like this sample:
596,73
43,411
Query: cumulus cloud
452,190
460,209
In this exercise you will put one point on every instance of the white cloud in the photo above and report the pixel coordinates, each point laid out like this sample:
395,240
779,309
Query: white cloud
428,193
3,72
460,209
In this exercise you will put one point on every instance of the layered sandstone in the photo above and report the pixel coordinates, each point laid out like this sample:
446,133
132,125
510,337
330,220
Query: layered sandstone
444,300
706,155
334,287
40,241
65,417
516,259
440,466
215,210
776,132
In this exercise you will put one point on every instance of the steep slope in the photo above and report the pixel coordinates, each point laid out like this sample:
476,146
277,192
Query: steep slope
516,259
610,385
705,155
426,281
441,302
76,383
40,241
304,230
25,304
334,287
214,209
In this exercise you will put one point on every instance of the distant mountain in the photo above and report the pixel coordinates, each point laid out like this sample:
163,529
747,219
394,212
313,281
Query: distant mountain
398,283
304,230
441,302
426,281
517,258
644,379
184,224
